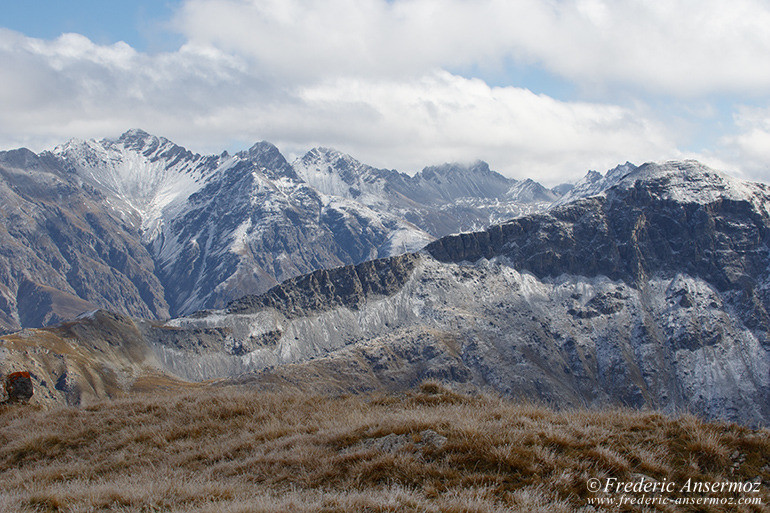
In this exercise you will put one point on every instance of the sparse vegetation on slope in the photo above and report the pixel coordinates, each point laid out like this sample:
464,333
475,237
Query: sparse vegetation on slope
232,450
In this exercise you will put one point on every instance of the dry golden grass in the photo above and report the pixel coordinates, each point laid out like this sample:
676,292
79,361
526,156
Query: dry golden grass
232,450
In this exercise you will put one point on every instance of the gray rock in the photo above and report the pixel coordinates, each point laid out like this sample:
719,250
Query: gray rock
653,293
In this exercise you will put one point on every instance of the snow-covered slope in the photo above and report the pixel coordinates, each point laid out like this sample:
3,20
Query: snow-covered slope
594,183
65,247
150,174
530,191
689,181
336,174
685,181
245,231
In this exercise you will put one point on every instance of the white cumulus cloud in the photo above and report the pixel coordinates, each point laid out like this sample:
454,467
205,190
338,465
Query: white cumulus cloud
682,47
441,117
750,144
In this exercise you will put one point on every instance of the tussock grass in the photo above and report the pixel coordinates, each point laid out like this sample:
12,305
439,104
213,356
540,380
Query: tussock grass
232,450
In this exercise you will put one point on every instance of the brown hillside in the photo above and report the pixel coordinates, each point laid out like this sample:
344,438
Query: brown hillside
431,450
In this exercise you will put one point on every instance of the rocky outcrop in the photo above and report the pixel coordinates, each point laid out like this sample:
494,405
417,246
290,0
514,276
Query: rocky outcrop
636,231
18,388
629,234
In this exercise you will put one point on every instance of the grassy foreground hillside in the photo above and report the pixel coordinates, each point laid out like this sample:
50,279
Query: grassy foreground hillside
432,450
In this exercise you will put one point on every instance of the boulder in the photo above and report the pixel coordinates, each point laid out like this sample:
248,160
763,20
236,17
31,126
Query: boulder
18,385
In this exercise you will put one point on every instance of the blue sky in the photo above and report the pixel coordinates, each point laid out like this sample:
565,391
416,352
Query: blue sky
143,24
538,88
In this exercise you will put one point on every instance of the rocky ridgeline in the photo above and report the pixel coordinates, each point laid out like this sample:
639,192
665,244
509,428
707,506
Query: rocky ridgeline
326,289
628,234
636,232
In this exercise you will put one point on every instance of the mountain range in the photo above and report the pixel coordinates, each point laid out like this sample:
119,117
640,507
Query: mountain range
142,226
646,286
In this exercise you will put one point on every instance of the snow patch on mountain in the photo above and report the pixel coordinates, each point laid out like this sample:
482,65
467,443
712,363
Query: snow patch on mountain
334,173
686,181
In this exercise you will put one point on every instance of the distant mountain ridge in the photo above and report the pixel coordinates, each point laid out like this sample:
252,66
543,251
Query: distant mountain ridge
442,199
143,226
594,183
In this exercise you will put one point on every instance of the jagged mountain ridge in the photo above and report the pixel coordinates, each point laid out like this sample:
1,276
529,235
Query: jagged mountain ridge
593,183
443,199
148,174
269,226
222,226
204,230
652,293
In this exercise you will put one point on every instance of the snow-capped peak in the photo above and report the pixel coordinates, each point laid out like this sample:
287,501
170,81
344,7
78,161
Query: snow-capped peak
689,181
594,183
452,170
530,191
336,174
136,137
146,172
686,181
321,160
455,180
268,157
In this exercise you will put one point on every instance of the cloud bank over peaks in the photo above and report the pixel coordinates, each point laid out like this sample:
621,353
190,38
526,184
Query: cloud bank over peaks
203,98
441,117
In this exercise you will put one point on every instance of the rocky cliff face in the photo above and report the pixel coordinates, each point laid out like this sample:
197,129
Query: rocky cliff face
652,293
661,220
